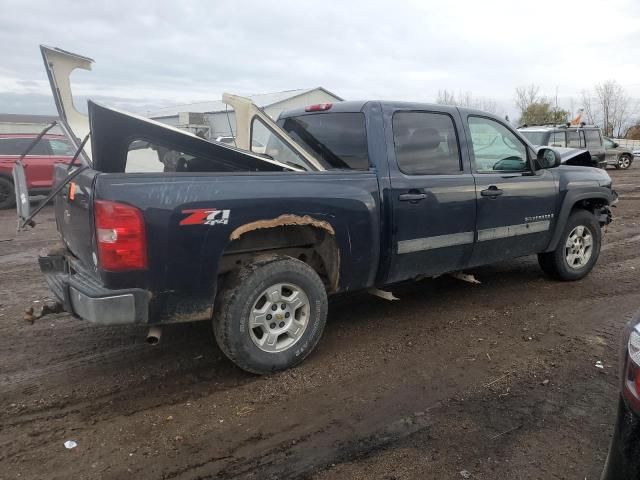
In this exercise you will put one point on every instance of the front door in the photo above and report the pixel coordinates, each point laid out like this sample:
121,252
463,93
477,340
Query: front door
516,205
432,194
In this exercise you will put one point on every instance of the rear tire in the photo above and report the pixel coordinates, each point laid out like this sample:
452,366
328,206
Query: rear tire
7,193
577,250
270,314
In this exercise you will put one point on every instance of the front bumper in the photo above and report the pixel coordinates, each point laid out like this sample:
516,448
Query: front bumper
85,297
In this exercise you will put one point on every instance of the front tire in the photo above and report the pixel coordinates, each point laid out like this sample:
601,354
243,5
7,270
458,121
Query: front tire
624,162
577,250
270,314
7,193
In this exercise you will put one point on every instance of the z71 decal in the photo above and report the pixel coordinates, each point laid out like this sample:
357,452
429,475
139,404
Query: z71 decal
206,216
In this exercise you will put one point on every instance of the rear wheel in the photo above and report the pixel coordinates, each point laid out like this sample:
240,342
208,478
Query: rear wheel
624,162
270,314
7,193
578,248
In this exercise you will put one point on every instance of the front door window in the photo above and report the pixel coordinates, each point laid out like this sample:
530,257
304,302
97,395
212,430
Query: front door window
496,148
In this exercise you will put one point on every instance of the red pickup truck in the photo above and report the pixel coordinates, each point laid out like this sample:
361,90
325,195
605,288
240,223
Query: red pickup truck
51,149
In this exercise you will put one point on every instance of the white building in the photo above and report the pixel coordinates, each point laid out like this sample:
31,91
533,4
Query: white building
19,123
213,118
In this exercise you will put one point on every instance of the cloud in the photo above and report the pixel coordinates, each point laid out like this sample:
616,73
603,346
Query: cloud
155,53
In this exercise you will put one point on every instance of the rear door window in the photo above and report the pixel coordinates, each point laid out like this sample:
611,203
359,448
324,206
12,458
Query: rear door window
426,143
593,138
573,139
558,139
17,146
338,140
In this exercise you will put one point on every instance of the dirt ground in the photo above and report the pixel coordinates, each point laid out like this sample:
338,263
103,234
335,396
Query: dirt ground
490,381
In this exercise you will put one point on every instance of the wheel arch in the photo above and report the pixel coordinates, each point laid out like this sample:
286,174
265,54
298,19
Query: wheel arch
591,201
305,238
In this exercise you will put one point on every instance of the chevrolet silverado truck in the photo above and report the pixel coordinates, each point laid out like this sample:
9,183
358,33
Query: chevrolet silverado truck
158,225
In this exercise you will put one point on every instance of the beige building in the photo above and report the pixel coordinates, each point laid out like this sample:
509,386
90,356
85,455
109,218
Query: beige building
212,119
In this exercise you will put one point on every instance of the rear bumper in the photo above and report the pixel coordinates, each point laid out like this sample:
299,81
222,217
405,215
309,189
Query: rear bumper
86,298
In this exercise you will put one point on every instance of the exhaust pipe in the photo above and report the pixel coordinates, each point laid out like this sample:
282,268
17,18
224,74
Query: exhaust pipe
153,337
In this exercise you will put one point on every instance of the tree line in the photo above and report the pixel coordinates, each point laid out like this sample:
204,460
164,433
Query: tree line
607,105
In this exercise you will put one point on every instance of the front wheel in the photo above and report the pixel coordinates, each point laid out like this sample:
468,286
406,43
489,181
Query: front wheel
578,248
270,314
624,162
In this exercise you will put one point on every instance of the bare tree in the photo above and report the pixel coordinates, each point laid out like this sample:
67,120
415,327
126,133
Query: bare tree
614,103
445,97
466,99
525,96
586,103
610,107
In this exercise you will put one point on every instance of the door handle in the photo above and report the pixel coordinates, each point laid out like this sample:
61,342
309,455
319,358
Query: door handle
491,192
412,197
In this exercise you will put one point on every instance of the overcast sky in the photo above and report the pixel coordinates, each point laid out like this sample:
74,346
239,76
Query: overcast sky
157,53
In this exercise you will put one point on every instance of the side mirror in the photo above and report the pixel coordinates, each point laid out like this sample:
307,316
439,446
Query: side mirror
548,158
615,145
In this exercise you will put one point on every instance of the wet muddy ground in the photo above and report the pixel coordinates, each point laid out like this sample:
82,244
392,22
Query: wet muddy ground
490,381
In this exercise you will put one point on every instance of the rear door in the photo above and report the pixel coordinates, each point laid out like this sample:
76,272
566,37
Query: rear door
594,143
516,206
432,194
611,153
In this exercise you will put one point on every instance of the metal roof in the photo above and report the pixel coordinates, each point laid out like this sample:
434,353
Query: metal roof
262,100
22,118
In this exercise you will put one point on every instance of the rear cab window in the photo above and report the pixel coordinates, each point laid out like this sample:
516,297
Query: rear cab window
338,140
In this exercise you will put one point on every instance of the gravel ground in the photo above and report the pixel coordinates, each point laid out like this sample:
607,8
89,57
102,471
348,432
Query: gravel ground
490,381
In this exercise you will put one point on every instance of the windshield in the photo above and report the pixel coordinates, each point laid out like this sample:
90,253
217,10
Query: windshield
536,138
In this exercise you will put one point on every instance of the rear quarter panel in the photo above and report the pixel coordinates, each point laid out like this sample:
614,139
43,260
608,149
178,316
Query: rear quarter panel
184,258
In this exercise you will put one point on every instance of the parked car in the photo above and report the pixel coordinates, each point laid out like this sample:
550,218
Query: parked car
51,149
354,195
587,137
618,156
623,460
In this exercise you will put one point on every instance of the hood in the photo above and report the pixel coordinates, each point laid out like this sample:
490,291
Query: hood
574,156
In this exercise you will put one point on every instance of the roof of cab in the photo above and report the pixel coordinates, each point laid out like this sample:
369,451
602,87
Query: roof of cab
359,106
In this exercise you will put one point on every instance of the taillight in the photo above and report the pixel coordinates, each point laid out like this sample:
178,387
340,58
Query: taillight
318,107
120,236
631,374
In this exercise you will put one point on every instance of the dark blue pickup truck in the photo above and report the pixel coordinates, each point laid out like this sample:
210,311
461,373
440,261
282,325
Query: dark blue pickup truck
160,226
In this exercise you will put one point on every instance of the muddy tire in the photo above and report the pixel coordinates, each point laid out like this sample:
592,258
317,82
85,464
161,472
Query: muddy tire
577,250
7,193
270,314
